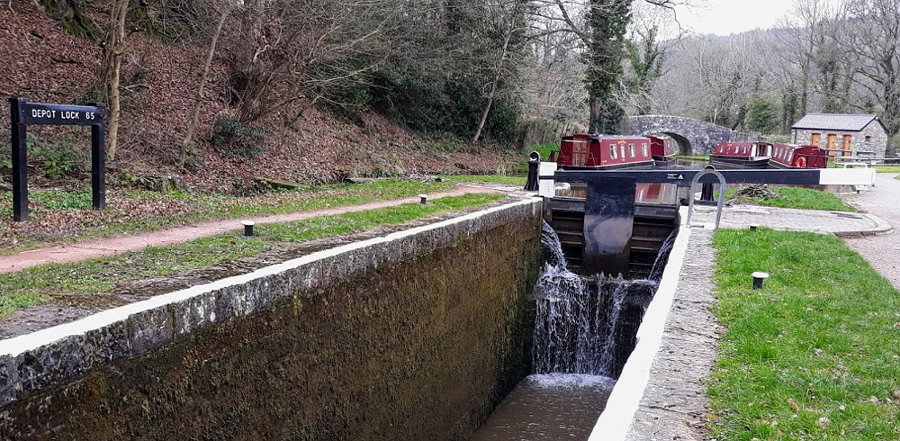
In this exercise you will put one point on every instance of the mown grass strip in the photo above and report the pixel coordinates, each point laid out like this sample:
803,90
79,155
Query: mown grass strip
37,285
816,353
795,197
518,181
887,169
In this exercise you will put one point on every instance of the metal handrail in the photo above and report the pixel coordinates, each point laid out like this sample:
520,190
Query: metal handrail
721,204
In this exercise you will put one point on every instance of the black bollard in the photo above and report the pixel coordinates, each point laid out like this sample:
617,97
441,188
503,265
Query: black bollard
534,162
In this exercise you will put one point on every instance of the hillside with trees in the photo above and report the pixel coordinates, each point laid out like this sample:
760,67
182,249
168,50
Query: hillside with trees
218,93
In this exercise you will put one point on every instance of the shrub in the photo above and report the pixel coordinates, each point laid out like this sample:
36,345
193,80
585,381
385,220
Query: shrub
232,138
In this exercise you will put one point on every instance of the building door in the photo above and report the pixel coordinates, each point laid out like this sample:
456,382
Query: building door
816,139
846,145
832,144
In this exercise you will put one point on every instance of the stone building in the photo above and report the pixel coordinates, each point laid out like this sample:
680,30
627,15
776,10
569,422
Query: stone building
842,134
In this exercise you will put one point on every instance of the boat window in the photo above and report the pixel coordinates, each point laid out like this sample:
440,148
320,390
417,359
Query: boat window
612,151
644,149
623,151
631,150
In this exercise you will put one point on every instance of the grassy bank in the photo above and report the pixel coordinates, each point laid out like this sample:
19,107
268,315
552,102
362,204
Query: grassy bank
887,169
794,197
41,284
517,181
814,354
65,216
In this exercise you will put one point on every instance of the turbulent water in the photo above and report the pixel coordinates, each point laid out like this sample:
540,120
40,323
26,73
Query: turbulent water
578,317
575,358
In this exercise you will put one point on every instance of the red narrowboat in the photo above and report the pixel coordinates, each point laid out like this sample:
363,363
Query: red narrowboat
798,156
663,149
600,152
741,154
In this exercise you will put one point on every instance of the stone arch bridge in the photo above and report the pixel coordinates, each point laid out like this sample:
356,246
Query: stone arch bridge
694,137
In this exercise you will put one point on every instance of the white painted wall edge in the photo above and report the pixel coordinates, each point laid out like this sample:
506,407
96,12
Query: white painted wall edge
626,396
18,345
847,176
546,187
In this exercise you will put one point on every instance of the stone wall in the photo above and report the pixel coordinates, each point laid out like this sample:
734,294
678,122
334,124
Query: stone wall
877,142
414,336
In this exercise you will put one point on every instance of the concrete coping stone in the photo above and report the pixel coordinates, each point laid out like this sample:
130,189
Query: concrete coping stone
625,399
57,354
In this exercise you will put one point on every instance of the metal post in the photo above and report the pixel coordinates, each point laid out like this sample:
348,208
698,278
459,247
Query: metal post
19,147
98,160
534,161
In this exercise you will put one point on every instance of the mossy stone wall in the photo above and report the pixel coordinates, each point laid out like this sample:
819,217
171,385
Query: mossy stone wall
419,350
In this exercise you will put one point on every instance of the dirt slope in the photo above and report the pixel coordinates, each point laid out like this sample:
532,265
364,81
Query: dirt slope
40,61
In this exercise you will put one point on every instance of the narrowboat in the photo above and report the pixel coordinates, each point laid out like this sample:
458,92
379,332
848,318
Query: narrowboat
798,156
601,152
663,149
741,154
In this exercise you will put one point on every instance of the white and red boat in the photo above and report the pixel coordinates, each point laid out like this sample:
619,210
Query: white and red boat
741,154
601,152
663,149
798,156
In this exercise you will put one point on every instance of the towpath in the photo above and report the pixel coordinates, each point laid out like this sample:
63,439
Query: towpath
674,403
109,246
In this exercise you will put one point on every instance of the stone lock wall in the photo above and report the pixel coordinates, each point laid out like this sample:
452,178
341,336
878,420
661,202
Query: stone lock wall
416,336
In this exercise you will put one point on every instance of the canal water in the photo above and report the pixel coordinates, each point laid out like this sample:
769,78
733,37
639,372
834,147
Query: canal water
574,355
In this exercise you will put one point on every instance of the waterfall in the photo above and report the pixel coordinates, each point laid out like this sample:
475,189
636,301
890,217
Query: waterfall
578,318
663,257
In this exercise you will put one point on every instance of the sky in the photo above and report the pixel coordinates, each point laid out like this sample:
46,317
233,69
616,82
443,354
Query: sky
724,17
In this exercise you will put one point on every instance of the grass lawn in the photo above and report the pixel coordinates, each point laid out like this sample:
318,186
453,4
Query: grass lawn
518,181
693,157
794,197
887,168
39,284
815,354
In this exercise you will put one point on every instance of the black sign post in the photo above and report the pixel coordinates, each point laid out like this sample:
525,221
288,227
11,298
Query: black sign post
24,113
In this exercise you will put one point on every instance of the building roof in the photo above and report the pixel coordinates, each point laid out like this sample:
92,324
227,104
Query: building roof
836,121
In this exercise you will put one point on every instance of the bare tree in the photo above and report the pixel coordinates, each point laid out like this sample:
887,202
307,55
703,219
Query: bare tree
514,24
226,9
873,37
113,48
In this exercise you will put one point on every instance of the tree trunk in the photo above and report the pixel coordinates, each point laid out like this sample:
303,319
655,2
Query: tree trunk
497,76
595,115
189,136
112,65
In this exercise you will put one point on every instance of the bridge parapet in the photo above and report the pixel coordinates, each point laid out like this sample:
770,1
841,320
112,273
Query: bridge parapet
694,137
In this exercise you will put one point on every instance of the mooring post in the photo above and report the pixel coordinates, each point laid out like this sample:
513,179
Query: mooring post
19,147
534,161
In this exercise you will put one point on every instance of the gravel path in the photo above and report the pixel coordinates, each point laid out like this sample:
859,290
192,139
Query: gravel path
882,251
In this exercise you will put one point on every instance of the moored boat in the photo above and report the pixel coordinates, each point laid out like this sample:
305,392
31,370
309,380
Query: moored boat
663,150
741,154
798,156
602,152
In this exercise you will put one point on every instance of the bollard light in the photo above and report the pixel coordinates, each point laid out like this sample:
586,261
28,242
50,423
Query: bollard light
753,227
248,227
759,278
423,198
